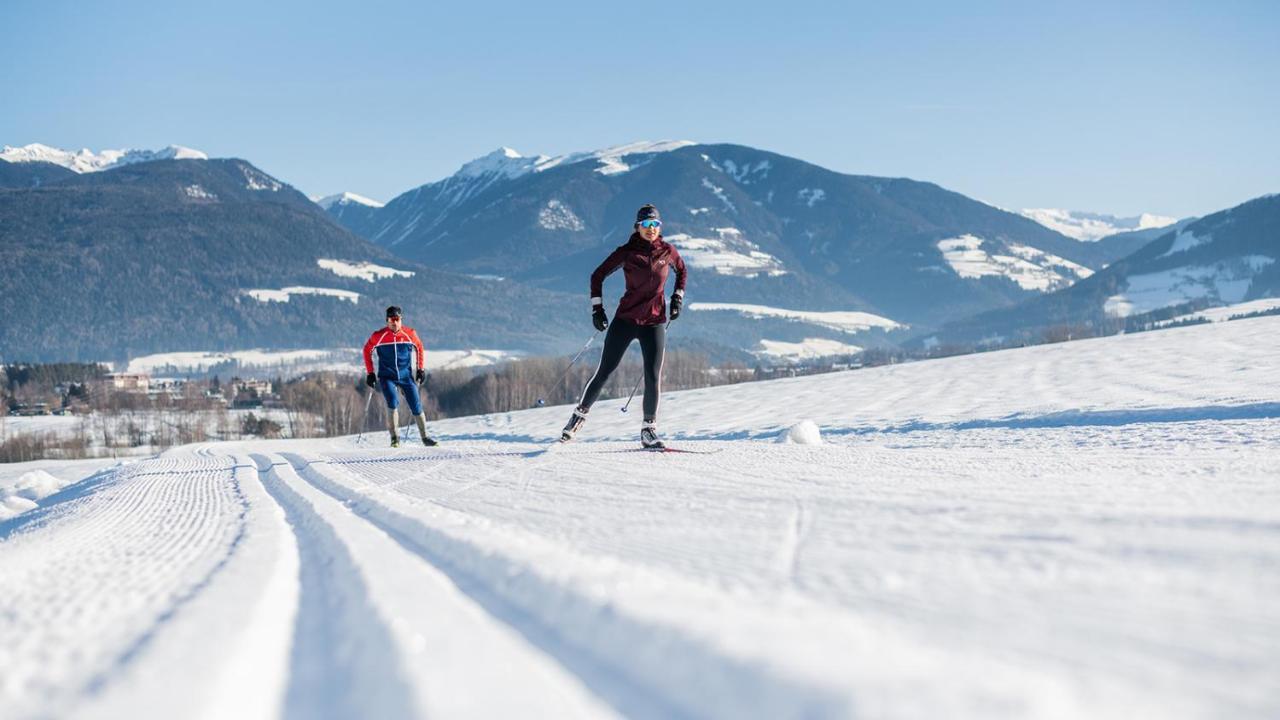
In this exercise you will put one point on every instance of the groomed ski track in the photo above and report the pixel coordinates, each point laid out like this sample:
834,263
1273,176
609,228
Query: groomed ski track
1089,529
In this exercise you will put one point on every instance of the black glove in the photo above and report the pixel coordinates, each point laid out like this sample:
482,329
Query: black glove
598,318
420,376
676,302
370,379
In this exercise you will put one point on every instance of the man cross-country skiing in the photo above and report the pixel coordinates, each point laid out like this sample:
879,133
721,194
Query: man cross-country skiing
642,315
397,351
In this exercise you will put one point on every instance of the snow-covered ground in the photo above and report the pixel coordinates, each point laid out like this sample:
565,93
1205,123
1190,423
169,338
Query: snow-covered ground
200,361
284,294
729,253
1086,529
1226,281
1030,268
807,349
111,434
285,362
1226,312
845,321
366,271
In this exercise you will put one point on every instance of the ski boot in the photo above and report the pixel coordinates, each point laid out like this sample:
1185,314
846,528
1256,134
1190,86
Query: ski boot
572,427
422,431
393,428
649,437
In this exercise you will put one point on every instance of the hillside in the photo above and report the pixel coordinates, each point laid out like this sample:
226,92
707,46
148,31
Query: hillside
1022,534
1227,257
217,255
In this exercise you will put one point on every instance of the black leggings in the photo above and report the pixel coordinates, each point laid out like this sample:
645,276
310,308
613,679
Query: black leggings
653,344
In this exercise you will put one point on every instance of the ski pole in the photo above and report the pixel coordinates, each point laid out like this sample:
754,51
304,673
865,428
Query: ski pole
565,374
637,385
364,419
633,391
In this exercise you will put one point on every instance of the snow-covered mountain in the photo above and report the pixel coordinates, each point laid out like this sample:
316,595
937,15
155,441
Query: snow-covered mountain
1223,258
85,160
757,228
346,198
510,164
243,258
1080,530
1088,226
349,208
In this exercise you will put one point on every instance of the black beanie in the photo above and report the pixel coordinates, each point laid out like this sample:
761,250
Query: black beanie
393,311
648,212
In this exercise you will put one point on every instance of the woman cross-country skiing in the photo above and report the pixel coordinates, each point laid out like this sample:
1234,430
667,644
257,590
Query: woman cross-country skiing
642,315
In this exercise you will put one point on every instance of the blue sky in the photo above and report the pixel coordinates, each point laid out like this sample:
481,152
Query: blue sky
1165,107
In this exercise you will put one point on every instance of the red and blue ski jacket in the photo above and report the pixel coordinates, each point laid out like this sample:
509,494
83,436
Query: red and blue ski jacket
396,354
645,266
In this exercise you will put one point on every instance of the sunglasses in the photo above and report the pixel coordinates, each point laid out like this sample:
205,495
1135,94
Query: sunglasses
651,223
393,318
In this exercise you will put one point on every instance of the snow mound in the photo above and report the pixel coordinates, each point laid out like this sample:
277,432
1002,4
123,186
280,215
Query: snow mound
36,485
12,506
805,432
24,494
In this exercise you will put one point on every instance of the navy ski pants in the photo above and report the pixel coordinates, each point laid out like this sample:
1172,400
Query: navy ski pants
408,387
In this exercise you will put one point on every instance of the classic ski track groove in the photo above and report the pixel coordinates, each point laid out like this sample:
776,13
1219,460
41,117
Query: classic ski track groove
335,656
793,540
635,685
389,638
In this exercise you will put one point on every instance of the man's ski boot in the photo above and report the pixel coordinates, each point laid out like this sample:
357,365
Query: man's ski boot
393,428
572,427
649,437
422,431
395,441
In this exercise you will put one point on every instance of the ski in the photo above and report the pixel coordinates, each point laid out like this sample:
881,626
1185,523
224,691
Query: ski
656,450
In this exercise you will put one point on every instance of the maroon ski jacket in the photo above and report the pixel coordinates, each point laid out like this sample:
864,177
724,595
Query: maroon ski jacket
645,266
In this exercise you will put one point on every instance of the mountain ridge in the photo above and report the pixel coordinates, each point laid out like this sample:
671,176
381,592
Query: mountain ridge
548,221
167,255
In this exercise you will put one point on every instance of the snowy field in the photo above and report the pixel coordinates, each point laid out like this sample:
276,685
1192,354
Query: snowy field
258,363
1080,530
